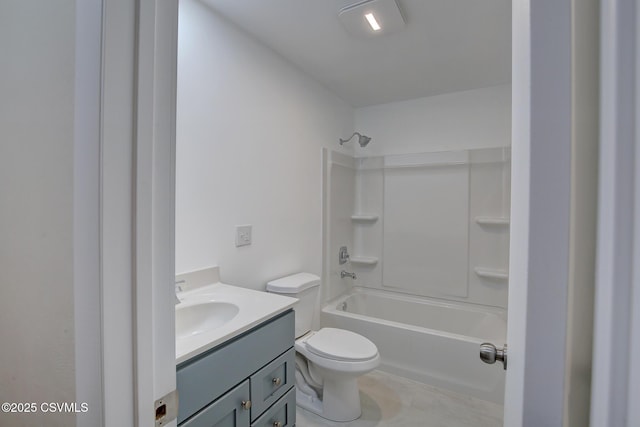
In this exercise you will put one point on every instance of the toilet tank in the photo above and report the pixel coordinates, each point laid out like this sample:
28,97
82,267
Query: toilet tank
303,286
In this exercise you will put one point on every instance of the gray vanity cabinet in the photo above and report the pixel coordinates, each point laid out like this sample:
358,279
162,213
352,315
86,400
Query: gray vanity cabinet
245,382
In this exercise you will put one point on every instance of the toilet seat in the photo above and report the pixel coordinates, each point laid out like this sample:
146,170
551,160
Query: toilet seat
341,345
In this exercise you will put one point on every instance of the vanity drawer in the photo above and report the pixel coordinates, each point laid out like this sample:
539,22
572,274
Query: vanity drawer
281,414
272,382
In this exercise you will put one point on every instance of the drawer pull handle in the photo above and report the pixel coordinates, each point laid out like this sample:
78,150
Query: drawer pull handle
246,404
277,424
276,381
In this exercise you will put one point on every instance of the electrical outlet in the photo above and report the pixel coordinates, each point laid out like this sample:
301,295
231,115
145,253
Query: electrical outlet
243,235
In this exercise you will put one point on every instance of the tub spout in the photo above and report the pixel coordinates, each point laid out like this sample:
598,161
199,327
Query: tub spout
344,274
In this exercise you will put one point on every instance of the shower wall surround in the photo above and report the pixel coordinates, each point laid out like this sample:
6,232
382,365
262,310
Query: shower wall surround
430,207
427,224
338,181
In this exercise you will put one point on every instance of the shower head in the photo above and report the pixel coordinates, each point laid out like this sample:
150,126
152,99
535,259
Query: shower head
363,140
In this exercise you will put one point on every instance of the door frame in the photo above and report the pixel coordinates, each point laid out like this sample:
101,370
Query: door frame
615,373
154,210
540,212
86,211
137,208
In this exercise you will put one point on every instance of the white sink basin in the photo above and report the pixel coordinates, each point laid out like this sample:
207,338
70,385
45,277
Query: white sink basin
212,314
203,317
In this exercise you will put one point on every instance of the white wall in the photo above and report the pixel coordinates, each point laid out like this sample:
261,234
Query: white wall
239,100
37,364
476,118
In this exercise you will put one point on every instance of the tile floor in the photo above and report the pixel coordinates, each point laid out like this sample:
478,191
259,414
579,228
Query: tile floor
392,401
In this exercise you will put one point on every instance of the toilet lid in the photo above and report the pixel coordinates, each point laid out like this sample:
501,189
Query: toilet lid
339,344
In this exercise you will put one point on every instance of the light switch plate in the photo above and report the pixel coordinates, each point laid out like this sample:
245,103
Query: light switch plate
243,235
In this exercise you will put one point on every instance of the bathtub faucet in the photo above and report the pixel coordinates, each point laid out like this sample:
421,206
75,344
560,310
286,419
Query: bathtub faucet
344,274
178,288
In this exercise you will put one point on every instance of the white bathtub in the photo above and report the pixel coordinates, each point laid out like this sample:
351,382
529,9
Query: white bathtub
427,340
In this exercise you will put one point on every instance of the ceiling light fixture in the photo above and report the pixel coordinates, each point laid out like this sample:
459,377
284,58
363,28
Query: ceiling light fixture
372,18
372,21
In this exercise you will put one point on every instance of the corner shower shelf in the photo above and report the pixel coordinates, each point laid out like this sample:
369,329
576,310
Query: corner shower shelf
492,220
364,218
491,273
365,260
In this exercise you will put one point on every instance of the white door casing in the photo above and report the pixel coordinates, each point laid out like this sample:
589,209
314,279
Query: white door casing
86,213
616,366
116,222
537,300
154,334
540,212
137,207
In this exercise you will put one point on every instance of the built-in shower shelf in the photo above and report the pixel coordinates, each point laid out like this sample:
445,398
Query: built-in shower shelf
491,273
493,220
364,260
364,218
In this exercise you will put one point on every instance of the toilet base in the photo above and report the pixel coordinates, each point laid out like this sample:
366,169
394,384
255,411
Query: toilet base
340,402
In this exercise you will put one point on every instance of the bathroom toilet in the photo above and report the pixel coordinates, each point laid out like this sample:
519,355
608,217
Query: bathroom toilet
328,361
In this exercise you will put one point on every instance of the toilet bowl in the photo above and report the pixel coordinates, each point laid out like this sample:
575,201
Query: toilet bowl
328,361
335,359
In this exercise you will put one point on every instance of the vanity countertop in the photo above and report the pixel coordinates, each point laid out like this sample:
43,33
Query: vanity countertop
254,307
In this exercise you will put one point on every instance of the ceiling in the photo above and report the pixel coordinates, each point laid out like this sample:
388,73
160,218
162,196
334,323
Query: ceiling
446,46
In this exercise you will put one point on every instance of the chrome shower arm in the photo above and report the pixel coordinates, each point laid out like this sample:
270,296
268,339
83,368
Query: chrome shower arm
342,141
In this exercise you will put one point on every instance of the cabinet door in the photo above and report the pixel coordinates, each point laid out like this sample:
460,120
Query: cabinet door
228,411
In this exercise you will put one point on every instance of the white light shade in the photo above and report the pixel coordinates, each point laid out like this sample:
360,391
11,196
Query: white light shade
372,21
372,18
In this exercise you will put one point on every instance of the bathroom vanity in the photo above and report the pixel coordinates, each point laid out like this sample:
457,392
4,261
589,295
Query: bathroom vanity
246,379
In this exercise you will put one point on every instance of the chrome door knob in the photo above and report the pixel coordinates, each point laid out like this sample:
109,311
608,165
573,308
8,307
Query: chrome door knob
490,354
276,381
246,404
277,424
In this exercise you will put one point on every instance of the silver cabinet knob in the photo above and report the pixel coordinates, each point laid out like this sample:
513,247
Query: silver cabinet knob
246,404
277,424
276,381
490,354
